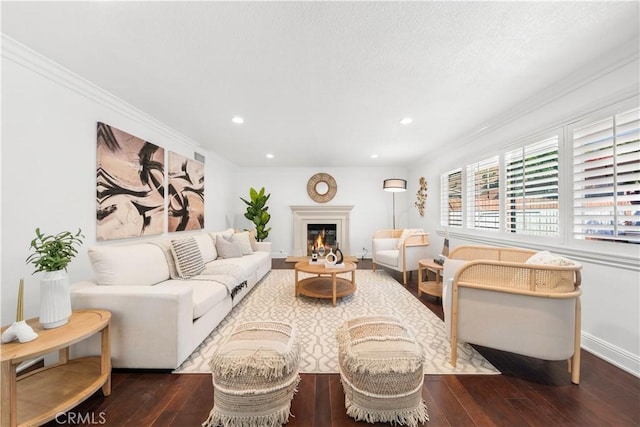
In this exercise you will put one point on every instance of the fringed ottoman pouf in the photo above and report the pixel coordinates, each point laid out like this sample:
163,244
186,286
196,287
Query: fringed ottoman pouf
381,369
255,375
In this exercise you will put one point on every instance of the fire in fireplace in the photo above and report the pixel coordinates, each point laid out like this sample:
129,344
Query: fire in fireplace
321,235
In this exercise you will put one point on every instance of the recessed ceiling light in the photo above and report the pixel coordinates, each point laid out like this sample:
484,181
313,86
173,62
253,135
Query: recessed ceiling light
374,156
270,156
406,120
237,120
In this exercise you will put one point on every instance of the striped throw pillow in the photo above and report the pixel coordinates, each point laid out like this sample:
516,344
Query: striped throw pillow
187,256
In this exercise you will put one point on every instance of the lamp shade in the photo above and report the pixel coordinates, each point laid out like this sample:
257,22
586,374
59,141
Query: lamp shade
394,185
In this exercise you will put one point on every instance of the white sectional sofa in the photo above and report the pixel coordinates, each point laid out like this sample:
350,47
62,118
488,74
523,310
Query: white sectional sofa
160,312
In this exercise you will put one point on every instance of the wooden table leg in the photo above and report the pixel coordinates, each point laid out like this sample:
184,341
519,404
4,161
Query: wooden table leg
9,395
296,284
334,281
105,359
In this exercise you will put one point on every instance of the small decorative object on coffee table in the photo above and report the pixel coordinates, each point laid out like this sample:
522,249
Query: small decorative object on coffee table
339,256
331,258
325,283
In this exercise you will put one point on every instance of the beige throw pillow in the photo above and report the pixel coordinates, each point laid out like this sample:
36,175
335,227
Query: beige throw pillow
243,240
187,257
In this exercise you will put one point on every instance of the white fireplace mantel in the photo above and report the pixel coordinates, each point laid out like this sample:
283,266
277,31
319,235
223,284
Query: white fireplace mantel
331,214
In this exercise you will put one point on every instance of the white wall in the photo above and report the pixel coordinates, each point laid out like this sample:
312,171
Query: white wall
611,292
360,187
49,164
48,180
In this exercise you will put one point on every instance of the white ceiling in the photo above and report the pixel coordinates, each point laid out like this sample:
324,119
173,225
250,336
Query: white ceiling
323,83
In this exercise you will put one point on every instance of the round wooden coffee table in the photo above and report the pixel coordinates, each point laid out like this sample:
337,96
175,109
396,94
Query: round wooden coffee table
325,283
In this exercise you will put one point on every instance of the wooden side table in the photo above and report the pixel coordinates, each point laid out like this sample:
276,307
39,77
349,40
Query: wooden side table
429,287
38,396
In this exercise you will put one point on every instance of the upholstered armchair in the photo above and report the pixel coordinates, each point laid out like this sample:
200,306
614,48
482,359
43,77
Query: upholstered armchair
515,300
399,250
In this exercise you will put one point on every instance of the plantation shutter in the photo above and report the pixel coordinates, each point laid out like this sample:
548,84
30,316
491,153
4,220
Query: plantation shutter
451,198
531,195
483,195
606,186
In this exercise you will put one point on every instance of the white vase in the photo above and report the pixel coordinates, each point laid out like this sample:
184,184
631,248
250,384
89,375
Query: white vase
55,300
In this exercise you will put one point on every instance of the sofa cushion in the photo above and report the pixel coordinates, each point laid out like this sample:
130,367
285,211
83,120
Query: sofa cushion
248,264
227,249
187,257
243,240
388,257
206,293
141,264
207,245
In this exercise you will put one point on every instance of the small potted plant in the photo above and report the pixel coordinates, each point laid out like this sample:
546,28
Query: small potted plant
52,254
257,212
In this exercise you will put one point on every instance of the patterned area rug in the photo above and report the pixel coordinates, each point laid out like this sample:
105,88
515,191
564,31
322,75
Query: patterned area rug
317,321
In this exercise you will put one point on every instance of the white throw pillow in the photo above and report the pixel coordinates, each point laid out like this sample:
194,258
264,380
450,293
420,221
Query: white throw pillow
187,257
547,258
227,249
550,280
225,234
207,247
406,233
243,240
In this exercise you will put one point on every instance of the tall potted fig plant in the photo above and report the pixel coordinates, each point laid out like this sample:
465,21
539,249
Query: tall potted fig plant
51,254
257,212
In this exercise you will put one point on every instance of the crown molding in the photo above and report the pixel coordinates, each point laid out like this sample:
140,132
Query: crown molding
22,55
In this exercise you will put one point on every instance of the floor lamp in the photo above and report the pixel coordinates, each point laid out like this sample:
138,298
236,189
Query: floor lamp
394,185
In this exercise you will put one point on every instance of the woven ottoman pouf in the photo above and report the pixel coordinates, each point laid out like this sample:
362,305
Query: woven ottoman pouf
381,369
255,375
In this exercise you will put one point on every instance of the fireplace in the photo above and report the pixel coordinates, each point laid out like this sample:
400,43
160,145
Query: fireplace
321,235
320,216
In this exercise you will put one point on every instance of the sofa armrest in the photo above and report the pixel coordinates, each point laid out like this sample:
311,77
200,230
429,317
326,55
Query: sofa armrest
151,326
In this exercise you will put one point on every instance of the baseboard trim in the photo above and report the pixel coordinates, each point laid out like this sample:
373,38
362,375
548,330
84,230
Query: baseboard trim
617,356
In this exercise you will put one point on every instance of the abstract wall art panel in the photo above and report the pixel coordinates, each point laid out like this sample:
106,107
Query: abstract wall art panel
186,193
130,185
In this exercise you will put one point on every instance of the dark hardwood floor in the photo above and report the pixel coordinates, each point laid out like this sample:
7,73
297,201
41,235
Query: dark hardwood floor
529,392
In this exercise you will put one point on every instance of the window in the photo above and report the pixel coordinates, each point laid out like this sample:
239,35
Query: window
531,190
451,198
606,179
483,195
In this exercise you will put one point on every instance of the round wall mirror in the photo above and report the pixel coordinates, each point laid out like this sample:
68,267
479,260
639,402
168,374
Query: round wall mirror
322,187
